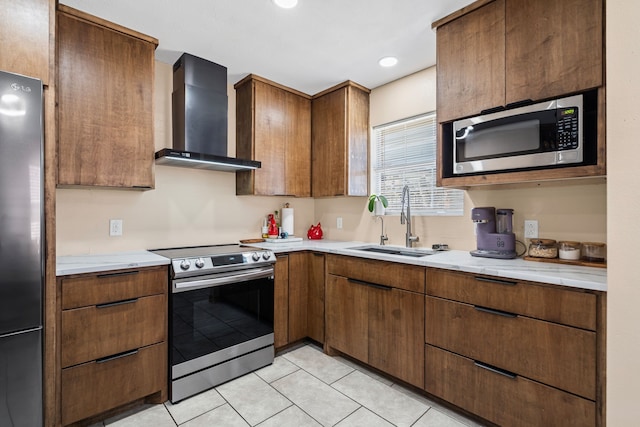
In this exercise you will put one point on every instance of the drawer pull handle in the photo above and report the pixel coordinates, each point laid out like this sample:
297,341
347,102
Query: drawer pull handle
117,356
372,285
122,273
496,312
500,282
496,370
113,304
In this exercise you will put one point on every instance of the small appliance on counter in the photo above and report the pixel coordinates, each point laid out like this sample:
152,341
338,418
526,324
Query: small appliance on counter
494,233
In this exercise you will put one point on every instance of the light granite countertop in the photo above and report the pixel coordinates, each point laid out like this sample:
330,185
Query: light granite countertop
592,278
77,264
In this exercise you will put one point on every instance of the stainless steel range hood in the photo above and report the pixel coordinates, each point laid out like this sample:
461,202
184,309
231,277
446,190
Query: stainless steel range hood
199,111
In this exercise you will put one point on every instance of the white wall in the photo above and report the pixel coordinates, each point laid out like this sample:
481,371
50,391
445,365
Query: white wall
623,151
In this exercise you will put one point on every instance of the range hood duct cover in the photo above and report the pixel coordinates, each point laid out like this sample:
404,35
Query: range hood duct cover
199,112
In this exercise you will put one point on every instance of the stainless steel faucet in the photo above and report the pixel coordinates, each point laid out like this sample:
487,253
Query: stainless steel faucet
383,237
409,239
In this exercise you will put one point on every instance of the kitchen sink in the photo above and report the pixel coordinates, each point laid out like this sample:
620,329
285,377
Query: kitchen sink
395,250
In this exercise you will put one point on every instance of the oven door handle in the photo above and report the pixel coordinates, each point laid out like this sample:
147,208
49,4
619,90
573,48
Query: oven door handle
223,279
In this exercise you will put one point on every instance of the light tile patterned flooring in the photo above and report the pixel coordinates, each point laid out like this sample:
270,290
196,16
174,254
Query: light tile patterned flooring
303,387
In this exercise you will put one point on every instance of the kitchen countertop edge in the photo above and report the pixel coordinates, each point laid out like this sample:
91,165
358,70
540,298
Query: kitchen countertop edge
590,278
96,263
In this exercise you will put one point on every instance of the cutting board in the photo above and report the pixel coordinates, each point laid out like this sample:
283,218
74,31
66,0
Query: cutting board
287,240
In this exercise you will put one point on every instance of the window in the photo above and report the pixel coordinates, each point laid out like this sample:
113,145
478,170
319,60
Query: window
404,153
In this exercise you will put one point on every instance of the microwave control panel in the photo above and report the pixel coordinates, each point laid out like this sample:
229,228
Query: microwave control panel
568,128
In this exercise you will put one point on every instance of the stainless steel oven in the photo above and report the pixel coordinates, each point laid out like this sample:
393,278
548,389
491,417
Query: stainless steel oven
221,315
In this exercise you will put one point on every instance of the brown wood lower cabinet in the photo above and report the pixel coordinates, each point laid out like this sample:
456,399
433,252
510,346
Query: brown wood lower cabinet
113,341
553,354
316,297
100,385
374,322
281,301
347,317
97,331
515,353
299,297
502,398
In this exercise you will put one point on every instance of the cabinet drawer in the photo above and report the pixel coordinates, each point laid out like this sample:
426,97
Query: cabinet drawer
554,354
92,388
113,286
93,332
402,276
573,308
507,401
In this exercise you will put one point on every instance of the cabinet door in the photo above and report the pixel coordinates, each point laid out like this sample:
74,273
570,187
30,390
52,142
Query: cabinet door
297,155
105,106
553,354
552,48
396,325
502,398
357,146
95,387
298,285
347,317
269,139
328,136
471,63
97,331
281,301
24,31
315,295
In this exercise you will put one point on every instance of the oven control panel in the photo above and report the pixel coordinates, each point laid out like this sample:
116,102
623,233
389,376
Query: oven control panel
215,262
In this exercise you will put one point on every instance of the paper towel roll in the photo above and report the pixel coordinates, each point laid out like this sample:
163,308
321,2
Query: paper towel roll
287,220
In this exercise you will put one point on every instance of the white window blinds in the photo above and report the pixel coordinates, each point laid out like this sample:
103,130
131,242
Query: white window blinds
404,153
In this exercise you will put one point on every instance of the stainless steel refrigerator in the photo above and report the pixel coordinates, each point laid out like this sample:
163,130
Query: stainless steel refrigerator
21,250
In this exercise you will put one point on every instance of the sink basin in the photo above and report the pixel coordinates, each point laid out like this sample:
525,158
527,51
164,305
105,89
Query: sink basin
391,250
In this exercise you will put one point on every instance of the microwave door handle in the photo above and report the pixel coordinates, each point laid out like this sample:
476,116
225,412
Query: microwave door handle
224,279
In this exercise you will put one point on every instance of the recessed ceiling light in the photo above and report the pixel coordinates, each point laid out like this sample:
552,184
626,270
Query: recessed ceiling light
286,4
388,61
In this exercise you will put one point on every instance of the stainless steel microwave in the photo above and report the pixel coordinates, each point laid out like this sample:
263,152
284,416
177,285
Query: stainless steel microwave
542,135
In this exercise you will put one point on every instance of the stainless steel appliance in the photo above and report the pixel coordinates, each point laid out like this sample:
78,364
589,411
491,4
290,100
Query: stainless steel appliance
555,133
21,254
221,315
495,239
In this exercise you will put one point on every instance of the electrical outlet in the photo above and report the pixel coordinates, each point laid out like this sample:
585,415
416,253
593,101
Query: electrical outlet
531,229
115,227
339,223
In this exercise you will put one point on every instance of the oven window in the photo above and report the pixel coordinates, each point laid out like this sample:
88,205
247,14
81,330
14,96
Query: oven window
211,319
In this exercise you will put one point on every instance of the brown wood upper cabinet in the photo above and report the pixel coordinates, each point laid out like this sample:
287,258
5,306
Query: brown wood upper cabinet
340,141
105,76
273,126
495,53
24,31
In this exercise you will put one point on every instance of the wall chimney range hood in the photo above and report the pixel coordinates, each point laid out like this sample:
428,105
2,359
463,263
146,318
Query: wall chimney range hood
199,111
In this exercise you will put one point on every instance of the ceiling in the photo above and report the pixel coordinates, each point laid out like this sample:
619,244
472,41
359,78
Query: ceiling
311,47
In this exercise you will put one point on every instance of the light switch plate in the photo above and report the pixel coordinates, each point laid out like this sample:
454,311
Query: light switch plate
115,227
339,223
